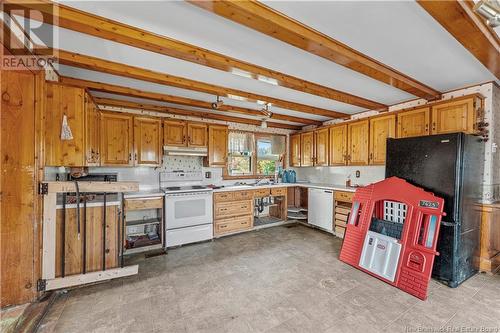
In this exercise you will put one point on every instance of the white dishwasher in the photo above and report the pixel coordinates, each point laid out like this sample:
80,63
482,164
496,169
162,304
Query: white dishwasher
320,208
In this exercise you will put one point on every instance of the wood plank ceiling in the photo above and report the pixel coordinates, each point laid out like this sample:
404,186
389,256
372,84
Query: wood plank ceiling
182,56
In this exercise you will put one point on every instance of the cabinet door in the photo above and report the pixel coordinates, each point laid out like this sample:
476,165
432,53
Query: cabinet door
92,129
116,139
174,133
197,135
338,145
381,128
358,142
307,149
295,150
217,146
64,100
457,116
322,142
147,141
413,123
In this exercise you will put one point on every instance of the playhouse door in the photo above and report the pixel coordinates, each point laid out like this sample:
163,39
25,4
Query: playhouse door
380,255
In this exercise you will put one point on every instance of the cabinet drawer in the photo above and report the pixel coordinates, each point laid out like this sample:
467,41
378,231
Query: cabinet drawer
278,191
342,210
145,203
344,196
341,217
223,196
232,225
242,195
263,192
339,231
235,208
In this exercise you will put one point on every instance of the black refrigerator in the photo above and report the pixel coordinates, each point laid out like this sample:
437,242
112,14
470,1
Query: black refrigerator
450,166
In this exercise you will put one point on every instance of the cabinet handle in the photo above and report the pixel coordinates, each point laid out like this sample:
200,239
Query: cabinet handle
243,223
184,138
433,126
371,156
189,139
223,226
135,156
130,156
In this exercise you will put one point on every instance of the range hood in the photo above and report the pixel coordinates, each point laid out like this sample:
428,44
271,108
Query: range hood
185,151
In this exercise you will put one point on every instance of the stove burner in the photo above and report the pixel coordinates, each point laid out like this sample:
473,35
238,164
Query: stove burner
173,188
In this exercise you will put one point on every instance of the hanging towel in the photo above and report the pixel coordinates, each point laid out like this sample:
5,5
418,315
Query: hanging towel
65,130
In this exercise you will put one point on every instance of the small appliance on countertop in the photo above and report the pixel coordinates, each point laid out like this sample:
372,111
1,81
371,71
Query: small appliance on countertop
188,208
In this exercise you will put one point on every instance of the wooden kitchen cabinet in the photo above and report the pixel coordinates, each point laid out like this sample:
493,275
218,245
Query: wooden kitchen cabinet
197,135
175,133
413,122
456,116
381,128
295,150
233,212
338,145
358,134
116,139
147,141
321,144
92,133
64,100
307,149
217,146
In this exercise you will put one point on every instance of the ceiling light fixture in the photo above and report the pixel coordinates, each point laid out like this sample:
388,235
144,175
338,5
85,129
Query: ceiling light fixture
489,10
266,112
217,104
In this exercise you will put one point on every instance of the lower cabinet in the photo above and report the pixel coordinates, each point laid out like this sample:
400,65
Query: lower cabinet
233,212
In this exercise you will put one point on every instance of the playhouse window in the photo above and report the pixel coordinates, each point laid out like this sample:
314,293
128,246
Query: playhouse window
427,231
355,212
388,218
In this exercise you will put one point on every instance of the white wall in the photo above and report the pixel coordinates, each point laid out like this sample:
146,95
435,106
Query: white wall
339,174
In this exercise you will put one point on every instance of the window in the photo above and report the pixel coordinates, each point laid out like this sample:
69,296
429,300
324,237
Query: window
254,154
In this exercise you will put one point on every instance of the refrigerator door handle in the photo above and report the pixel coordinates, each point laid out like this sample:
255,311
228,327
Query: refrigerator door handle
448,224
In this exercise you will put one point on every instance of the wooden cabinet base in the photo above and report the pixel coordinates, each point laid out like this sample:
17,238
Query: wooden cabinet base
231,225
489,260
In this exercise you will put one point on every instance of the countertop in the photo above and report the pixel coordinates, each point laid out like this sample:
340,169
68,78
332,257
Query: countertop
332,187
144,194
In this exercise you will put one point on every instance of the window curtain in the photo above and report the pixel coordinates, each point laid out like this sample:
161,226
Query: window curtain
278,145
241,143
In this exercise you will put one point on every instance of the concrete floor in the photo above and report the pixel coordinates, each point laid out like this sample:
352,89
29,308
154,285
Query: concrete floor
282,279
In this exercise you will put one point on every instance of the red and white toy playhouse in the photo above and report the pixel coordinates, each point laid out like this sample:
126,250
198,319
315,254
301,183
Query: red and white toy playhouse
392,233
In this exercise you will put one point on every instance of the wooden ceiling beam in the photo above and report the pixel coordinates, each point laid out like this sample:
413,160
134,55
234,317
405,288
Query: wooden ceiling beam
191,113
131,92
120,69
470,30
77,20
268,21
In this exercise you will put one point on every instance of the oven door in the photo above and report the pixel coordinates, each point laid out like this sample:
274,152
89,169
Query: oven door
188,209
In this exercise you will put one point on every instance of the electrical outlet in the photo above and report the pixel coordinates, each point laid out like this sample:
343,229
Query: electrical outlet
358,173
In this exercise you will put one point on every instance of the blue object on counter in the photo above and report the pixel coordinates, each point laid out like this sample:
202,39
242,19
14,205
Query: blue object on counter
292,176
284,178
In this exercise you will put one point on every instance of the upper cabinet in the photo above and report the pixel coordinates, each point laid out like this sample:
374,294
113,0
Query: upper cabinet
413,123
116,139
63,101
358,133
321,147
217,146
456,116
197,135
338,145
175,133
147,141
92,133
381,128
295,150
307,149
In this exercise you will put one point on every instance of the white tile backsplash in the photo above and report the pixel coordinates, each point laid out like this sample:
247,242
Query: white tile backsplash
338,175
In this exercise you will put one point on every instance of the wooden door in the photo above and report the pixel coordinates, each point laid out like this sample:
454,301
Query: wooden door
217,145
197,135
381,128
174,133
322,143
92,129
455,116
338,145
116,139
147,141
413,123
307,149
358,133
19,250
64,100
295,150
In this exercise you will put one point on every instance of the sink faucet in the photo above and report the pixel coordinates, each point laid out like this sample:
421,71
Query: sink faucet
262,180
